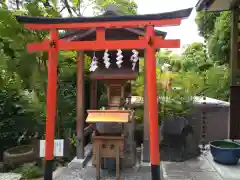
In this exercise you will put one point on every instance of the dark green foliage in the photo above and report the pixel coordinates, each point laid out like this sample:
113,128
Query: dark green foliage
215,28
22,79
23,76
124,6
29,171
219,42
206,23
193,58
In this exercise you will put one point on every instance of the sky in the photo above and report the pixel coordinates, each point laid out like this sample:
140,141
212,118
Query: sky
187,32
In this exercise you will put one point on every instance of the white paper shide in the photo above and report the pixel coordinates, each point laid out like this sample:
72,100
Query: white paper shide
119,58
106,59
94,63
134,58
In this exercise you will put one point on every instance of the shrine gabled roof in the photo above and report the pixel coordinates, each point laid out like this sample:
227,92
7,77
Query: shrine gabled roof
45,20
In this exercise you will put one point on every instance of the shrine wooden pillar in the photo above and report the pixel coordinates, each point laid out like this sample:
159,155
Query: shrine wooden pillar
51,103
146,150
152,103
235,77
80,105
93,94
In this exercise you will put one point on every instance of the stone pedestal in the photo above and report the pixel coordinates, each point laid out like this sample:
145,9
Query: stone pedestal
129,159
130,145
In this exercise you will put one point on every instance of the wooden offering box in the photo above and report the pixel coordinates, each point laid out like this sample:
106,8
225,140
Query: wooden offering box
108,116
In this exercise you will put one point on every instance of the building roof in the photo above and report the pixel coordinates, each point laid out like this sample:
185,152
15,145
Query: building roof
216,5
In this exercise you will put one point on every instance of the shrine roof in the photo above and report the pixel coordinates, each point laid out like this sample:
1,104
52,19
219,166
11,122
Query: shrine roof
108,74
111,11
161,16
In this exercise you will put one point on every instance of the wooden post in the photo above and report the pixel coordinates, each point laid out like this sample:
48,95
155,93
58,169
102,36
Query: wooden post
93,101
146,153
51,103
152,104
80,105
235,78
93,97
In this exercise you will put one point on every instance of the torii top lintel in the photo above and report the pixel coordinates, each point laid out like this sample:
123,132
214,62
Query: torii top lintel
101,23
123,21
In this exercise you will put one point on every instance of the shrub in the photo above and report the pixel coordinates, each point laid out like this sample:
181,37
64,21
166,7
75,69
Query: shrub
29,171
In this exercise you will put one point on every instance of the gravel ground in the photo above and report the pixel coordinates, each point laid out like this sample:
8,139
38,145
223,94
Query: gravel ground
10,176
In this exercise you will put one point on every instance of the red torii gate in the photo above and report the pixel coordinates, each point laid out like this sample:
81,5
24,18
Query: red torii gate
150,42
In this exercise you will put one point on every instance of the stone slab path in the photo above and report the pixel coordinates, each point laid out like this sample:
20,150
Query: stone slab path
196,169
200,168
226,172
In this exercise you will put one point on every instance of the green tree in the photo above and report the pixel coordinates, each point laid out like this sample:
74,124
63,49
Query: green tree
219,42
217,82
78,7
124,6
163,56
215,28
167,56
206,23
194,58
23,76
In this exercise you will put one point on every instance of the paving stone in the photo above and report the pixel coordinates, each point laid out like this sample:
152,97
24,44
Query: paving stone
194,169
195,165
188,175
227,172
205,175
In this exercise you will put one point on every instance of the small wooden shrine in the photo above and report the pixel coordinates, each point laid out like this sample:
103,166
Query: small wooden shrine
113,134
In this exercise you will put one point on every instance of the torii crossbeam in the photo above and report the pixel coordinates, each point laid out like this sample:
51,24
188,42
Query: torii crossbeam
150,42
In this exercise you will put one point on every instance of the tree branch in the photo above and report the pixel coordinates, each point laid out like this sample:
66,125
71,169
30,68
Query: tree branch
69,9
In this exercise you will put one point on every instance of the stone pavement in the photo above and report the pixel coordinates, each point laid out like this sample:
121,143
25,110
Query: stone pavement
226,172
88,173
196,169
201,168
